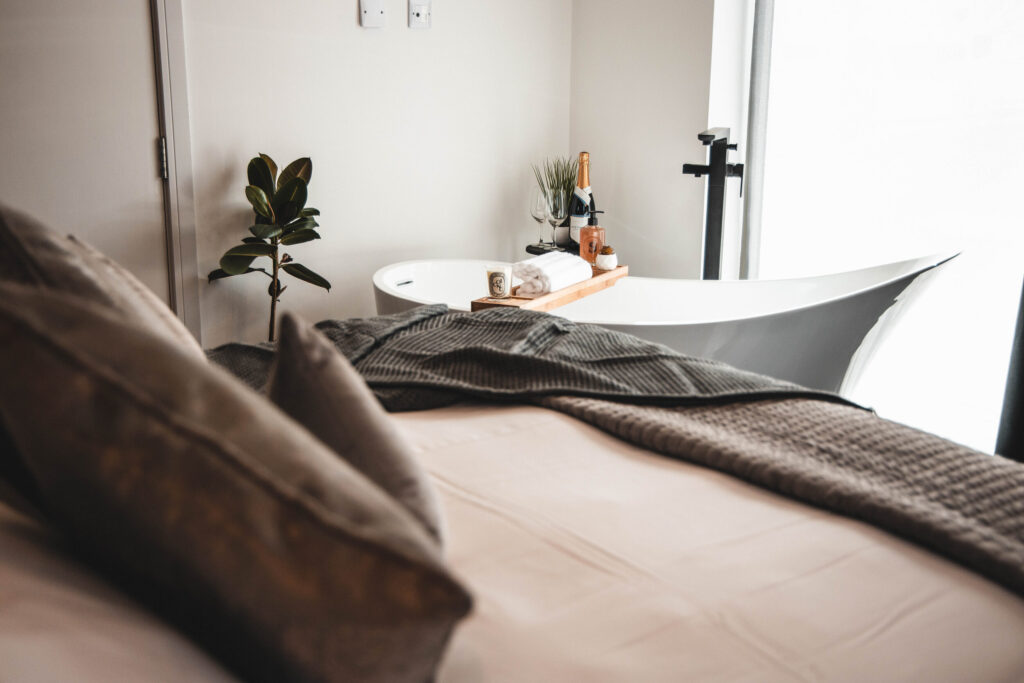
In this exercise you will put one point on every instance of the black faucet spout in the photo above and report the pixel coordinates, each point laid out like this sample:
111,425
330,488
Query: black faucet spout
696,170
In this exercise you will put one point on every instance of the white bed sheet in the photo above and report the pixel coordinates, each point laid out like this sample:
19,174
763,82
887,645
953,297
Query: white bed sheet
593,560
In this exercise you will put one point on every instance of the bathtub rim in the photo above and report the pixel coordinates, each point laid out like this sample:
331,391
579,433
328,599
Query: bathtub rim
925,264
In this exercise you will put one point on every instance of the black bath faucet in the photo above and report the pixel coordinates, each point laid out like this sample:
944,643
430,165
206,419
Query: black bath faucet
717,169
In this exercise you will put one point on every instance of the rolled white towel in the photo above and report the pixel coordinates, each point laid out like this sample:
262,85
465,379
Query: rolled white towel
531,268
558,273
540,267
530,289
550,272
529,271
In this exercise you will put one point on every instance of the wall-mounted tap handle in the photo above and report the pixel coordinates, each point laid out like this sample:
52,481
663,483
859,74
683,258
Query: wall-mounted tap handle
735,171
696,170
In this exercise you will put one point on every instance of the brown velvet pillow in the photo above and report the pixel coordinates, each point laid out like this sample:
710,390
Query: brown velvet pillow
215,505
33,254
319,388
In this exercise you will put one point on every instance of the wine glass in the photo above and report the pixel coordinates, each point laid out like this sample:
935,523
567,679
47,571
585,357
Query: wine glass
539,208
558,211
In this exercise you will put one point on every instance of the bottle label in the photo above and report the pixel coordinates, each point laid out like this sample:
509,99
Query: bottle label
577,221
590,246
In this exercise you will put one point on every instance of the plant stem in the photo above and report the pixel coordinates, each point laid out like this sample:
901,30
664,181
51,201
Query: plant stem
275,289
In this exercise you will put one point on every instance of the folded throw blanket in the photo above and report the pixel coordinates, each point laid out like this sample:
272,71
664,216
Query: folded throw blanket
805,444
429,357
550,272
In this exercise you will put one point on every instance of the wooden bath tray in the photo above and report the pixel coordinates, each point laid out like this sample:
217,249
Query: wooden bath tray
602,279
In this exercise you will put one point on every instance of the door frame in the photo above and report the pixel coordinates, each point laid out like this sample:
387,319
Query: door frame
175,150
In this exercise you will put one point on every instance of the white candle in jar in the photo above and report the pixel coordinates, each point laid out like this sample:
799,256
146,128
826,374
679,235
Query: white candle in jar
499,281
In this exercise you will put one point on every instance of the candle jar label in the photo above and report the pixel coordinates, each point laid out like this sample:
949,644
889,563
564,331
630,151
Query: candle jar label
499,282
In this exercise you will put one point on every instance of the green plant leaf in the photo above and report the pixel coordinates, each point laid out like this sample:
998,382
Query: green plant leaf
301,224
307,212
272,166
220,273
255,249
537,175
264,231
253,240
300,236
300,168
260,204
306,275
236,260
236,265
289,200
260,175
557,174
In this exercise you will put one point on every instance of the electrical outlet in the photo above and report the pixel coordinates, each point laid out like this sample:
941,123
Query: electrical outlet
371,14
419,13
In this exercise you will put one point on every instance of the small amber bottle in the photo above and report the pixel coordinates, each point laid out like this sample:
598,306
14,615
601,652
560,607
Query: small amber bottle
591,239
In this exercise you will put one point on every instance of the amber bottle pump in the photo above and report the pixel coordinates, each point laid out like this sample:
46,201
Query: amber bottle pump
591,239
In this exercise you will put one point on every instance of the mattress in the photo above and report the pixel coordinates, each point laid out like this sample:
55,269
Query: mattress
594,560
590,560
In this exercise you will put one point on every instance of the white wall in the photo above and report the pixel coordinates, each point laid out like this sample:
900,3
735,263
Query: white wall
421,140
640,81
78,141
895,129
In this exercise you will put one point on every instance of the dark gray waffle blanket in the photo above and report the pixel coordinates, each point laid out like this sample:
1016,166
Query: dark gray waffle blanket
429,357
808,445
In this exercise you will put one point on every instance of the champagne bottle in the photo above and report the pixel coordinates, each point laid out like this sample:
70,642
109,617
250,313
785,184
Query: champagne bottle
582,202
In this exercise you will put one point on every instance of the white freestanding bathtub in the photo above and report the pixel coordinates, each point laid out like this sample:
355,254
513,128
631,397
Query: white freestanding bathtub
813,331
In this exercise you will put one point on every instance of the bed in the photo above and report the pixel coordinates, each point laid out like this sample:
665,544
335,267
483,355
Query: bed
590,560
721,534
594,560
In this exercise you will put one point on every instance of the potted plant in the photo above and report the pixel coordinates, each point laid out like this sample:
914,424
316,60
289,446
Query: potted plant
281,219
557,175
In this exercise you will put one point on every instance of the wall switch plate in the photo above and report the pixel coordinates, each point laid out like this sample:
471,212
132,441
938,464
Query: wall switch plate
419,13
371,14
